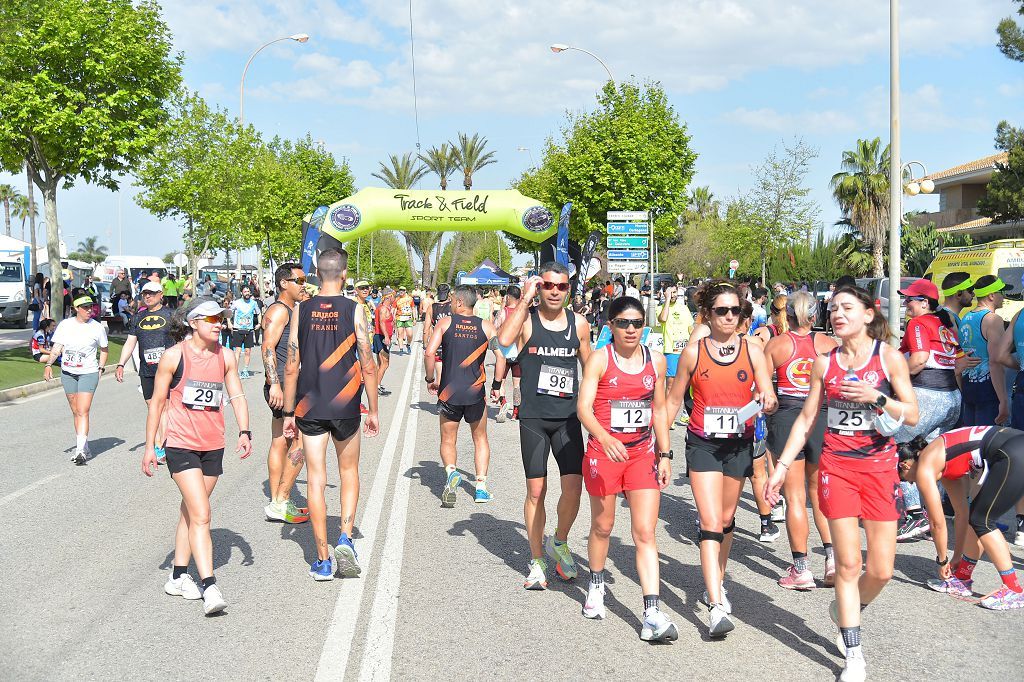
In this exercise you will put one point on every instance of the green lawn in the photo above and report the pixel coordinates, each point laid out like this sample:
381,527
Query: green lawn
17,367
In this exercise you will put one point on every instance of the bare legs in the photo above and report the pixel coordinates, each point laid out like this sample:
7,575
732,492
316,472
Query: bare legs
192,537
716,497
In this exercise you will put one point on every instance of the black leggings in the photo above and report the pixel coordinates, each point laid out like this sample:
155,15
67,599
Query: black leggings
561,437
1004,483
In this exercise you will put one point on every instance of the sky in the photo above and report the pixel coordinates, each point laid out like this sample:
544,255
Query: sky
743,76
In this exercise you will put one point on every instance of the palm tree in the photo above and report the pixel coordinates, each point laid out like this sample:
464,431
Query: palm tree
469,157
702,203
862,191
7,195
20,209
442,162
402,173
90,251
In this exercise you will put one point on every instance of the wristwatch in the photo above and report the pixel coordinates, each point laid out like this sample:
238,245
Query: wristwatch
943,562
246,433
428,380
880,403
665,455
288,414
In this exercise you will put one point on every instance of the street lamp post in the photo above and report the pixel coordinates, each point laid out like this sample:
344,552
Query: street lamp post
895,168
558,47
528,151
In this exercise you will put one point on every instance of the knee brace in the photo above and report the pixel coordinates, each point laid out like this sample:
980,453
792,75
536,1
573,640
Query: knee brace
730,528
710,535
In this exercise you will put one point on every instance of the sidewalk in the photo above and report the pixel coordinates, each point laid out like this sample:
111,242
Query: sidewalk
21,376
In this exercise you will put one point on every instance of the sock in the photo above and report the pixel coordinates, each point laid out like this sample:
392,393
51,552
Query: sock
830,553
966,568
1009,577
449,469
650,602
206,582
1020,521
765,519
559,543
915,512
801,562
179,571
597,577
862,607
80,439
851,637
481,481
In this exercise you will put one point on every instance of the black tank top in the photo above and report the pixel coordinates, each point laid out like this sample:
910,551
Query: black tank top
550,370
281,349
440,310
463,351
330,380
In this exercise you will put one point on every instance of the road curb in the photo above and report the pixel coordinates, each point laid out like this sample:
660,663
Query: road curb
18,392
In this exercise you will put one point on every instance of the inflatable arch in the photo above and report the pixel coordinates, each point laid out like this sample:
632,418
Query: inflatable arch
374,208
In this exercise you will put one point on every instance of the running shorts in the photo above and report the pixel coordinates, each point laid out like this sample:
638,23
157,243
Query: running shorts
781,423
561,437
867,495
671,364
1003,485
404,324
605,477
733,457
242,337
147,384
79,383
276,414
471,414
340,429
381,344
210,461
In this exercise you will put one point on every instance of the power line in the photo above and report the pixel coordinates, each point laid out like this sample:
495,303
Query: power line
415,101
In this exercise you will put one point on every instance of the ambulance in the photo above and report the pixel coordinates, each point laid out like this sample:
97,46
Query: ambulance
1003,258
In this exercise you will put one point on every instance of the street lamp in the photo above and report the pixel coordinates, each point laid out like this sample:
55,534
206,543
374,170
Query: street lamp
527,150
558,47
914,186
298,37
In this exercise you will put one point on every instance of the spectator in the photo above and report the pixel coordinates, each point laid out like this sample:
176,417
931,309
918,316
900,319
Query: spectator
119,285
170,289
42,341
124,308
38,300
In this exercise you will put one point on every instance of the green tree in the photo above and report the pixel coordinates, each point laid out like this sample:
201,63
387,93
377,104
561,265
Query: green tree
21,208
402,173
169,256
82,91
442,162
8,195
1011,36
1004,200
382,261
324,179
470,157
631,153
476,246
861,189
90,251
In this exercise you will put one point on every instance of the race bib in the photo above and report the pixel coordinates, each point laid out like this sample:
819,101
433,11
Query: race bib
723,422
630,416
555,381
153,355
678,345
850,417
244,321
72,359
204,396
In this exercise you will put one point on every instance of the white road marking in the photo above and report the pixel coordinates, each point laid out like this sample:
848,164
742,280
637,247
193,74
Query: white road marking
29,488
334,656
380,631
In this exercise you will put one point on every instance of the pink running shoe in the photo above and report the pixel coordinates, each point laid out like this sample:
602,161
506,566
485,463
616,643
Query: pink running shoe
797,580
1003,600
953,586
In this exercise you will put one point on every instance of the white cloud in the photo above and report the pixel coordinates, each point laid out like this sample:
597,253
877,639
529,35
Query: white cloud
793,123
1014,89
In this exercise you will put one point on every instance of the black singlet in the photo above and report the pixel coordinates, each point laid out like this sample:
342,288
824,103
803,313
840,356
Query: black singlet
281,349
550,370
463,351
330,380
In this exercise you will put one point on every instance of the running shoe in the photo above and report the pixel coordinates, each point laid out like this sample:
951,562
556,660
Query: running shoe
482,495
1018,537
451,487
830,572
504,410
345,555
322,570
684,420
161,455
383,391
833,613
724,596
293,514
184,586
515,413
769,533
953,586
719,623
565,565
797,580
1003,600
213,600
536,580
779,511
855,669
79,458
657,627
274,511
593,608
912,528
363,410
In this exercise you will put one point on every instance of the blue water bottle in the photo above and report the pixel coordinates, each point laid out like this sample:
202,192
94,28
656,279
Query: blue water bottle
760,427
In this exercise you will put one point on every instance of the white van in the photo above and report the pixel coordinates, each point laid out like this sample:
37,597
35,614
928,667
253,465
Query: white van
134,265
13,291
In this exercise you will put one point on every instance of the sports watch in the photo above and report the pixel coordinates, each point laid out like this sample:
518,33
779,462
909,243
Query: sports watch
665,455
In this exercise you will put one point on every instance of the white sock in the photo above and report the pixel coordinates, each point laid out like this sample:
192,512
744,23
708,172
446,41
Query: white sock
481,481
80,441
449,469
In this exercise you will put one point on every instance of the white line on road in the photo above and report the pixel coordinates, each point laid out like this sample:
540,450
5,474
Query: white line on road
380,632
30,487
338,641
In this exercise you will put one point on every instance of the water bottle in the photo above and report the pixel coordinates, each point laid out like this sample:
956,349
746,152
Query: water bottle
851,376
760,427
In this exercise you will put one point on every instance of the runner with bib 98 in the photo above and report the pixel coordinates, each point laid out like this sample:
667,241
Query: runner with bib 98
869,395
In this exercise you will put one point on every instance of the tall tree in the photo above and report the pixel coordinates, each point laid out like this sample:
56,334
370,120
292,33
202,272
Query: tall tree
82,91
861,189
20,209
442,162
7,196
90,251
470,157
1004,198
1011,36
402,172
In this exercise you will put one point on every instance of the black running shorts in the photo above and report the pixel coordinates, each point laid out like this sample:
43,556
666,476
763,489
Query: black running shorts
242,338
276,414
470,413
147,384
733,457
210,461
381,345
781,423
340,429
561,437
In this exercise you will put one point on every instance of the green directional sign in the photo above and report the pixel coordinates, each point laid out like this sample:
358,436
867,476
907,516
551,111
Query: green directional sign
628,242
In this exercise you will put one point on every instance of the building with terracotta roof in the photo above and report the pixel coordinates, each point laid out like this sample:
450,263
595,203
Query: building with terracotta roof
960,188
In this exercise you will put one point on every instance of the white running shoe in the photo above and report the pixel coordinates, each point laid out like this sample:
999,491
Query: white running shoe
833,613
536,580
213,600
856,668
274,511
657,627
184,586
1018,538
594,606
719,623
725,603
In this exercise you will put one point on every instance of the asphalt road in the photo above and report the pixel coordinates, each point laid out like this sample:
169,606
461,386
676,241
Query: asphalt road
12,338
86,551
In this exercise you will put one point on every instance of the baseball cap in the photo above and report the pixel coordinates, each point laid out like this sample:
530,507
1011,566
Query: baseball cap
443,290
205,308
990,284
153,286
83,300
921,287
362,283
402,288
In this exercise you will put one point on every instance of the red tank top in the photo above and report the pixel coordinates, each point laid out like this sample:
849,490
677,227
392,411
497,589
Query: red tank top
850,431
623,403
719,391
195,420
964,450
793,377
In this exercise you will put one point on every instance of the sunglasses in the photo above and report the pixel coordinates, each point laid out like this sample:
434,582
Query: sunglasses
363,288
623,323
548,286
212,319
152,293
917,298
298,280
724,310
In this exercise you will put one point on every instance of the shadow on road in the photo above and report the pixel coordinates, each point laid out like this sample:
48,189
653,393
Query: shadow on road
100,446
224,542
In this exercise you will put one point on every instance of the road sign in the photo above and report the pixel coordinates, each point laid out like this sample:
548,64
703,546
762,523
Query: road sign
635,254
180,260
620,267
734,264
628,215
628,242
628,228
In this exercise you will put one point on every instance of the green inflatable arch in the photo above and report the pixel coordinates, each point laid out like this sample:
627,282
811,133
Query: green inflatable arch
374,208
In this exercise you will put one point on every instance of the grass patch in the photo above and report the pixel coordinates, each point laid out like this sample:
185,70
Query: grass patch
17,367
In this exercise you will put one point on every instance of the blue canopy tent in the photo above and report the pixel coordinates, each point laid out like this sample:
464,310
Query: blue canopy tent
487,274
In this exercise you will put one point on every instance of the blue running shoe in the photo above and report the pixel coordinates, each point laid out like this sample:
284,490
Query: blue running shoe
321,570
451,487
161,455
345,555
483,495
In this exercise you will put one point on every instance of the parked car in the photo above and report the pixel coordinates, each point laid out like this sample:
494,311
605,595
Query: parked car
878,288
103,289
